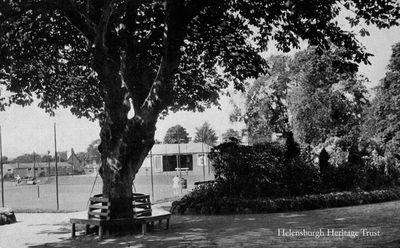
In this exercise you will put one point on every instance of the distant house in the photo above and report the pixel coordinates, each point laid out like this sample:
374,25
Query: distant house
171,158
62,156
66,166
75,161
40,169
8,170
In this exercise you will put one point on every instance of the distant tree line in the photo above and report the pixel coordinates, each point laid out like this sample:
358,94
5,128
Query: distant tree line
205,133
30,157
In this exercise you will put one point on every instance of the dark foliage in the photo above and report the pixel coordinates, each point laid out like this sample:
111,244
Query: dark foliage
383,118
264,178
176,134
326,169
30,158
292,147
206,200
206,134
231,135
352,174
273,170
261,170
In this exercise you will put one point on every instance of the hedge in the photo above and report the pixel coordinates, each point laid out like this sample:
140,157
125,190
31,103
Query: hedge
193,204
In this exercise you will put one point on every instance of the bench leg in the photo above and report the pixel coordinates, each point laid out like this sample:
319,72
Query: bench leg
167,224
87,229
100,232
73,230
152,225
144,227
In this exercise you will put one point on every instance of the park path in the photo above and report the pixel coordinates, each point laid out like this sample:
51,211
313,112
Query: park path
250,230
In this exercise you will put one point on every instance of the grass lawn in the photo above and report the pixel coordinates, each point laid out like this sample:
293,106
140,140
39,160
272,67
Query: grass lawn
74,192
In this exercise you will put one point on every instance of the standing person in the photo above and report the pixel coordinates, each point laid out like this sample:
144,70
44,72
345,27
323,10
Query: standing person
18,180
175,184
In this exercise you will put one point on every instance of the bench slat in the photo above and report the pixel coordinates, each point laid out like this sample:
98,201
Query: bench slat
98,199
93,222
145,197
139,194
138,210
98,207
141,219
151,218
139,205
98,213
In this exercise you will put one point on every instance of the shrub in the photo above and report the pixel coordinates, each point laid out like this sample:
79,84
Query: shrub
194,203
356,165
272,170
247,171
262,170
8,176
299,177
327,171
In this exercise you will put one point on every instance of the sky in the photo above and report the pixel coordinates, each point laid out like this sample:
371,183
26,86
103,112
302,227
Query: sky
29,129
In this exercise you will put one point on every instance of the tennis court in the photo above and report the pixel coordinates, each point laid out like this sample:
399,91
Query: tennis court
74,191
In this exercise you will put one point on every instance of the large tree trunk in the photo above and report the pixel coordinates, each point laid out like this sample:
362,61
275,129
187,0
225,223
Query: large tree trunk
121,161
125,142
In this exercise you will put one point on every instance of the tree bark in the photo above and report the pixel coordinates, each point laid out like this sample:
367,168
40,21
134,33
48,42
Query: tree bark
121,162
125,142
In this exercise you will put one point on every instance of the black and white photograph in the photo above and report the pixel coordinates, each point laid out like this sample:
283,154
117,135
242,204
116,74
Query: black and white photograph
199,123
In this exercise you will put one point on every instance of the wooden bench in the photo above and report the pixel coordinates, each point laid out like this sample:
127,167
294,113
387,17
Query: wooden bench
99,215
184,169
157,215
197,184
141,205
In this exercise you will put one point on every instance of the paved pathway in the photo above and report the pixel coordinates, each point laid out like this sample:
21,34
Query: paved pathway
377,225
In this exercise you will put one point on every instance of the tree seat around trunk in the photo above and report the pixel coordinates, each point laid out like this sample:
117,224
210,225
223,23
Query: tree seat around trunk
156,215
99,215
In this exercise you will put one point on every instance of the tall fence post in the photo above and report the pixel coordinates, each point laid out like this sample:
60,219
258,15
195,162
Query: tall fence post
56,172
2,174
204,158
151,173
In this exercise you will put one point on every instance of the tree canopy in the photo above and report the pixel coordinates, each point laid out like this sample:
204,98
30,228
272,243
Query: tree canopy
105,58
206,134
325,101
29,158
48,48
176,134
383,120
306,95
4,159
92,152
231,133
266,102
